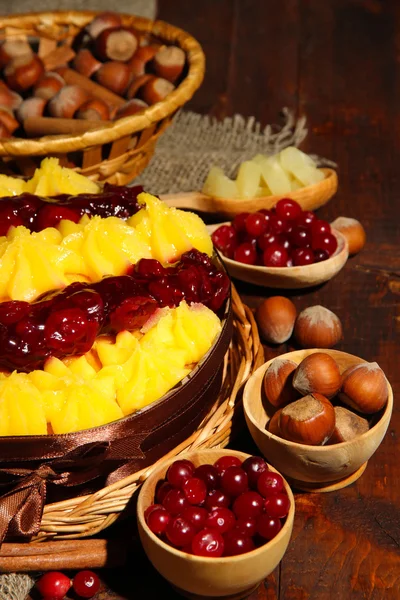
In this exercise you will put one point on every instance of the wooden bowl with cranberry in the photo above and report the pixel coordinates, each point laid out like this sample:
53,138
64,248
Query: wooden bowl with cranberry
204,576
327,466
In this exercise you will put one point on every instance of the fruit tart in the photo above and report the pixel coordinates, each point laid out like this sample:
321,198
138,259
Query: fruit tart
114,321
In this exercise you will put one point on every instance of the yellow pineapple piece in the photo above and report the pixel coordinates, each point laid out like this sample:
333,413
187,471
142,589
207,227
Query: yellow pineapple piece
52,179
11,186
80,366
118,352
132,395
53,401
56,367
201,325
22,403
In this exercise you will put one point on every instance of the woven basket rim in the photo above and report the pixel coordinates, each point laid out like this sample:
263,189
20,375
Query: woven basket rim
127,125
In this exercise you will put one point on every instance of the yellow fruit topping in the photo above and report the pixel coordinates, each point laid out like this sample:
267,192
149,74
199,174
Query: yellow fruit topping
51,179
118,376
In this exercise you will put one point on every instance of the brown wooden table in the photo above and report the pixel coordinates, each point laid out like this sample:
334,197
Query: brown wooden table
338,63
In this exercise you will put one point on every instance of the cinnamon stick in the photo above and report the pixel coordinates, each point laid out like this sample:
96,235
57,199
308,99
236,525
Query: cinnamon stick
38,126
98,91
59,56
63,554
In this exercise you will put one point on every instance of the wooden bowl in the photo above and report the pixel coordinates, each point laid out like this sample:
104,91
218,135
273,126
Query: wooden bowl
289,277
310,197
196,577
313,468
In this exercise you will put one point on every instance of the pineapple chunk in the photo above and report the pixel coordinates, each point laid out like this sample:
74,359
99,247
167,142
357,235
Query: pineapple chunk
300,166
52,179
248,179
12,186
274,176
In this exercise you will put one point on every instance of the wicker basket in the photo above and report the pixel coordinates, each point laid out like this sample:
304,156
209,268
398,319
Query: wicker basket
115,152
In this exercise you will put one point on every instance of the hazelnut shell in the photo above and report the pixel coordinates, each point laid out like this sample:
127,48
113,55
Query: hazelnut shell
278,382
116,43
319,373
317,327
275,318
353,231
364,388
114,76
310,420
23,72
348,426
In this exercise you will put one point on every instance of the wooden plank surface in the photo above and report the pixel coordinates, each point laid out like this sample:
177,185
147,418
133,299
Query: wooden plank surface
338,64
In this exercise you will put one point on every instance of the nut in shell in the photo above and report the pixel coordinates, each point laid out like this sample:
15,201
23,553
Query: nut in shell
319,373
275,318
348,425
364,388
278,382
310,420
318,327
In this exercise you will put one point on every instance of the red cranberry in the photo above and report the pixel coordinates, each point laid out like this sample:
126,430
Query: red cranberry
326,242
7,220
270,483
195,490
254,466
51,214
246,525
256,224
150,509
275,256
209,475
222,519
268,527
288,209
239,222
320,255
302,256
158,520
248,504
196,515
267,239
300,237
225,462
230,248
237,543
285,240
234,481
277,225
150,268
175,501
65,327
208,542
319,227
179,472
277,506
86,584
162,490
53,585
217,498
245,253
180,532
222,236
305,219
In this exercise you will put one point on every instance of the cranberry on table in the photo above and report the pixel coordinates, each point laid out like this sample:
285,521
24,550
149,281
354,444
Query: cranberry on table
158,520
53,585
268,527
209,543
326,241
302,257
180,532
222,519
196,515
288,209
245,253
225,462
248,504
256,224
195,490
209,475
275,256
277,506
179,472
270,483
237,542
86,584
254,466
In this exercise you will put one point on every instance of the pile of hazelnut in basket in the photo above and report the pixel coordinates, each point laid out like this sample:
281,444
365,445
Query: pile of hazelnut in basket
111,72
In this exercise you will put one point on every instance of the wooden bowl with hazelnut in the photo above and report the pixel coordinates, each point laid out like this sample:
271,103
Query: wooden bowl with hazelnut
289,277
295,428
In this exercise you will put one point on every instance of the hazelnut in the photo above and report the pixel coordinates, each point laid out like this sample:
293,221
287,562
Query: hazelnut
137,83
114,76
11,49
116,43
103,21
273,424
364,388
318,327
348,426
275,318
353,231
310,420
31,107
169,62
94,110
67,101
85,63
8,119
23,72
139,60
131,108
317,372
8,98
48,85
156,89
278,382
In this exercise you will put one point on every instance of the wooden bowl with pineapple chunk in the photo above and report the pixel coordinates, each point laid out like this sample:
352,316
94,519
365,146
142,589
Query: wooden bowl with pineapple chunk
309,197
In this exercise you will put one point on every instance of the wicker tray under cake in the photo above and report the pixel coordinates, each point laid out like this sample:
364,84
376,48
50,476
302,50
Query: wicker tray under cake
116,152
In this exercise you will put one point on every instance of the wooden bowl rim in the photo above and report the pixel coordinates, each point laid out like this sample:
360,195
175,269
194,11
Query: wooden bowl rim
290,356
274,198
204,559
342,251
